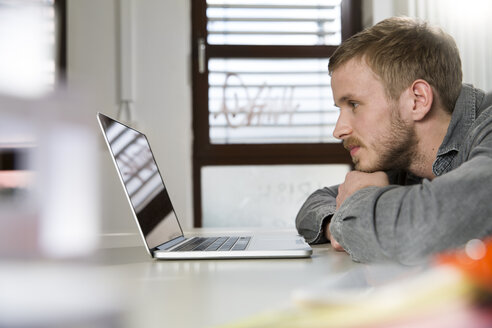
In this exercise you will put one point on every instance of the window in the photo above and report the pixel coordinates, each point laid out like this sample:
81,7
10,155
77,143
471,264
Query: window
269,101
32,43
60,49
262,104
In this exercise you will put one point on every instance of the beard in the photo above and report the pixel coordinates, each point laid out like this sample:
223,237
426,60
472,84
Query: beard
396,148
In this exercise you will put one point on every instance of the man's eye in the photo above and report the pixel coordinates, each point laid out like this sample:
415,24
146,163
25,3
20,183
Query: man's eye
354,104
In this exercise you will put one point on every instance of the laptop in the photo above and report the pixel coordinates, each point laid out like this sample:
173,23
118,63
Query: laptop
155,216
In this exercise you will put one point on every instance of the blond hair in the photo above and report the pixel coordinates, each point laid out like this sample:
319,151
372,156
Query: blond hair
401,50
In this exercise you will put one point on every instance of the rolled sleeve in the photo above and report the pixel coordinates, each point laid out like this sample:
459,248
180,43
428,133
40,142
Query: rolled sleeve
314,214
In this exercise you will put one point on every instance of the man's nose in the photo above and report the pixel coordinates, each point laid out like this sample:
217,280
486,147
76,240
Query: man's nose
343,127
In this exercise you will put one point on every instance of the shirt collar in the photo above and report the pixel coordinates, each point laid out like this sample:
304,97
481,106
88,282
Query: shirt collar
461,120
464,115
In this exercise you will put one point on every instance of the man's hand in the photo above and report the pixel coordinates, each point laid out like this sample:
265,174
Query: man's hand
336,246
356,180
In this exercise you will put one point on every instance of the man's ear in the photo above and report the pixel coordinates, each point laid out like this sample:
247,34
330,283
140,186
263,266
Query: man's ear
423,98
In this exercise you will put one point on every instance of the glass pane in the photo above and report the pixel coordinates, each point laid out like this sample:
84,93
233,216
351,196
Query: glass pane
27,47
270,101
274,22
262,196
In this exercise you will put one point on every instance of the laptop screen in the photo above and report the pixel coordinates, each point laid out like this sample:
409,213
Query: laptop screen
142,181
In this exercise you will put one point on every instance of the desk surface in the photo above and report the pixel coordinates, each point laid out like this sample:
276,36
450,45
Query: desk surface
125,287
207,293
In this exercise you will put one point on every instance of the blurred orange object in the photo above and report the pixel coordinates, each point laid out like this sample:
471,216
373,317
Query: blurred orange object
474,260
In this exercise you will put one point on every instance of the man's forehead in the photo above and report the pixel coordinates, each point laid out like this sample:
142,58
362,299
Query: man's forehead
353,79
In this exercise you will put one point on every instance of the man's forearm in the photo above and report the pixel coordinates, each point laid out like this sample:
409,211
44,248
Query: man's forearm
407,223
317,210
314,214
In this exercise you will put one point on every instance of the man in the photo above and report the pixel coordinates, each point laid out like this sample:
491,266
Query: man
421,143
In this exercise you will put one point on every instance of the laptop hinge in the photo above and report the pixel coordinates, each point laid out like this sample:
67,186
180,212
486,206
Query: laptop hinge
171,243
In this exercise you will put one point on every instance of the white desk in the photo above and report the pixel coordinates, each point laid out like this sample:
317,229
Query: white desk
124,287
208,293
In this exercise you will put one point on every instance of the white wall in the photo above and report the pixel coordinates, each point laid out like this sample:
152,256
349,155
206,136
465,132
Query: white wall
162,91
376,10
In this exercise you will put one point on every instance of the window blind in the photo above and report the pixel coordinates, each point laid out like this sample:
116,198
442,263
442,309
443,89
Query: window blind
274,22
270,101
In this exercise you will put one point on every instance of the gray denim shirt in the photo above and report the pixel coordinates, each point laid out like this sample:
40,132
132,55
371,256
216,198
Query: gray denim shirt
413,218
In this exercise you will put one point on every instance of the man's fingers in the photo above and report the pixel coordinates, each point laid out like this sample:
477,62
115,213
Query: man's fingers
336,246
340,196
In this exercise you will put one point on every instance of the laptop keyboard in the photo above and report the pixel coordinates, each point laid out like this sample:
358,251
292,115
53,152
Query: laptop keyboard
220,244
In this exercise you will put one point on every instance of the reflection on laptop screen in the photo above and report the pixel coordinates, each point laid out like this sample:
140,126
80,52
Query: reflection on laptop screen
143,183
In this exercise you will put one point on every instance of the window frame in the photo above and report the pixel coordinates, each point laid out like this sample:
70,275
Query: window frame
61,41
207,154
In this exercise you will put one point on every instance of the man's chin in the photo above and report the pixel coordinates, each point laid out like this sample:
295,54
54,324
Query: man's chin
360,168
364,168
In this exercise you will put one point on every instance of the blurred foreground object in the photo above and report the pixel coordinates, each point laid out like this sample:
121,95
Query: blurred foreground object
48,178
49,218
474,261
453,291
